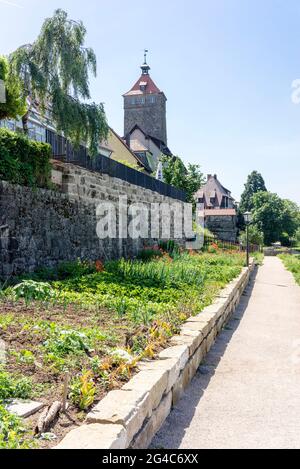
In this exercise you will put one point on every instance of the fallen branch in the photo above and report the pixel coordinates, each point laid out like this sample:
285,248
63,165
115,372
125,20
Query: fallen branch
47,418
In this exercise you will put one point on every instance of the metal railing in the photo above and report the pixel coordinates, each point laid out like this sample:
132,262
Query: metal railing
63,150
229,245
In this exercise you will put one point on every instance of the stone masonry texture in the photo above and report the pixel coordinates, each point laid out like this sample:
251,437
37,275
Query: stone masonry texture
41,228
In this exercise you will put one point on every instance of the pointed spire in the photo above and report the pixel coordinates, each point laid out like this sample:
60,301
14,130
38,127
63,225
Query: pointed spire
145,67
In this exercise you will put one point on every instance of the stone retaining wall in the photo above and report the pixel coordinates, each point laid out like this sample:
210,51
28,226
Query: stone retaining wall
131,416
42,228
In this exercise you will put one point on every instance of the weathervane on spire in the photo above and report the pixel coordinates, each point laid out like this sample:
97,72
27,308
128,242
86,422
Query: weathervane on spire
145,67
145,56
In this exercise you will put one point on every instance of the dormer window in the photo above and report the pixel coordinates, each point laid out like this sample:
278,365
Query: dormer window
143,85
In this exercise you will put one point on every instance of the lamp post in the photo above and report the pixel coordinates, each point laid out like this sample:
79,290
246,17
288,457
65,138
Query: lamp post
248,219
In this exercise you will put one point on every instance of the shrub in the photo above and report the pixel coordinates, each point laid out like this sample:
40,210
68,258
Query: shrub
255,236
24,161
285,239
30,290
64,270
149,254
13,388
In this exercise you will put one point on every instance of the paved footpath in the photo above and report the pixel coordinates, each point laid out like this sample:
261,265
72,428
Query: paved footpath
247,392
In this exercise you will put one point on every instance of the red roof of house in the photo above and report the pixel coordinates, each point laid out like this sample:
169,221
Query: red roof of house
150,86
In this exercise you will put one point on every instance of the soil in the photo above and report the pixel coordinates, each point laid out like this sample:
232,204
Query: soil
49,384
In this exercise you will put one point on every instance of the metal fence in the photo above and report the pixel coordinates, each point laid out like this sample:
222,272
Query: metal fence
228,245
64,151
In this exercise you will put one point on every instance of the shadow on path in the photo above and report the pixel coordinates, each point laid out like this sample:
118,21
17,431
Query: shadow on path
170,436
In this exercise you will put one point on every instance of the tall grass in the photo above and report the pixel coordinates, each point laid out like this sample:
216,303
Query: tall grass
292,263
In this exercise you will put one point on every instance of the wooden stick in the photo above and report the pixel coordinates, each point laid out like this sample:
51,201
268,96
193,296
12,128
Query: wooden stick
65,396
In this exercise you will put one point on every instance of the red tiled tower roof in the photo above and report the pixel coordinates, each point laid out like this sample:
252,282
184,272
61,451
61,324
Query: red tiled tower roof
144,85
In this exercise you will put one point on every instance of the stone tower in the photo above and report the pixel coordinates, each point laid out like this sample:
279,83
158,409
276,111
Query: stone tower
145,106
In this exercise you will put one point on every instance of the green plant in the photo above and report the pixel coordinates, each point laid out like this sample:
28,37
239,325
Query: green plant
12,432
255,236
24,161
14,388
24,356
149,254
64,342
6,320
292,263
83,390
121,306
31,290
169,246
188,179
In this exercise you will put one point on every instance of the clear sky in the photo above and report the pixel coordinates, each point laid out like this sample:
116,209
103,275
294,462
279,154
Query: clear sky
226,66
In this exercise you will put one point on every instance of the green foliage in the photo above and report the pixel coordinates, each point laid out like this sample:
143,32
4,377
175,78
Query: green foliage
188,179
83,390
285,239
24,356
149,254
297,237
255,183
255,236
31,290
14,106
23,161
55,70
258,257
63,271
291,218
12,432
278,219
14,388
170,247
158,273
292,263
65,342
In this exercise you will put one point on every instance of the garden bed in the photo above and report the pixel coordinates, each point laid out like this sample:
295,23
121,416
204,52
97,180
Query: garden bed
94,323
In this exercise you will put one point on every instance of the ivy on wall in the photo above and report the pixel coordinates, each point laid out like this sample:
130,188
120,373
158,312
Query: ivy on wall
24,161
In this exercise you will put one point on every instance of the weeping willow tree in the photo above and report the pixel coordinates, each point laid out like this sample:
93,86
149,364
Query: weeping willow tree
13,105
55,72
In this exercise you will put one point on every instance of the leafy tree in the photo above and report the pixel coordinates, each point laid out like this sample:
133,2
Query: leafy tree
55,72
255,236
297,236
291,217
188,179
14,105
255,183
277,218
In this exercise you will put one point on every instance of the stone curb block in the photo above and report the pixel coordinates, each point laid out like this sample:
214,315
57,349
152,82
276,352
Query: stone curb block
131,416
95,436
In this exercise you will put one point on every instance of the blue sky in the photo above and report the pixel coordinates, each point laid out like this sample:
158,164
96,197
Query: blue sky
226,67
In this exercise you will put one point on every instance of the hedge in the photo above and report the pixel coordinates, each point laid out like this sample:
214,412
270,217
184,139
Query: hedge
24,161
